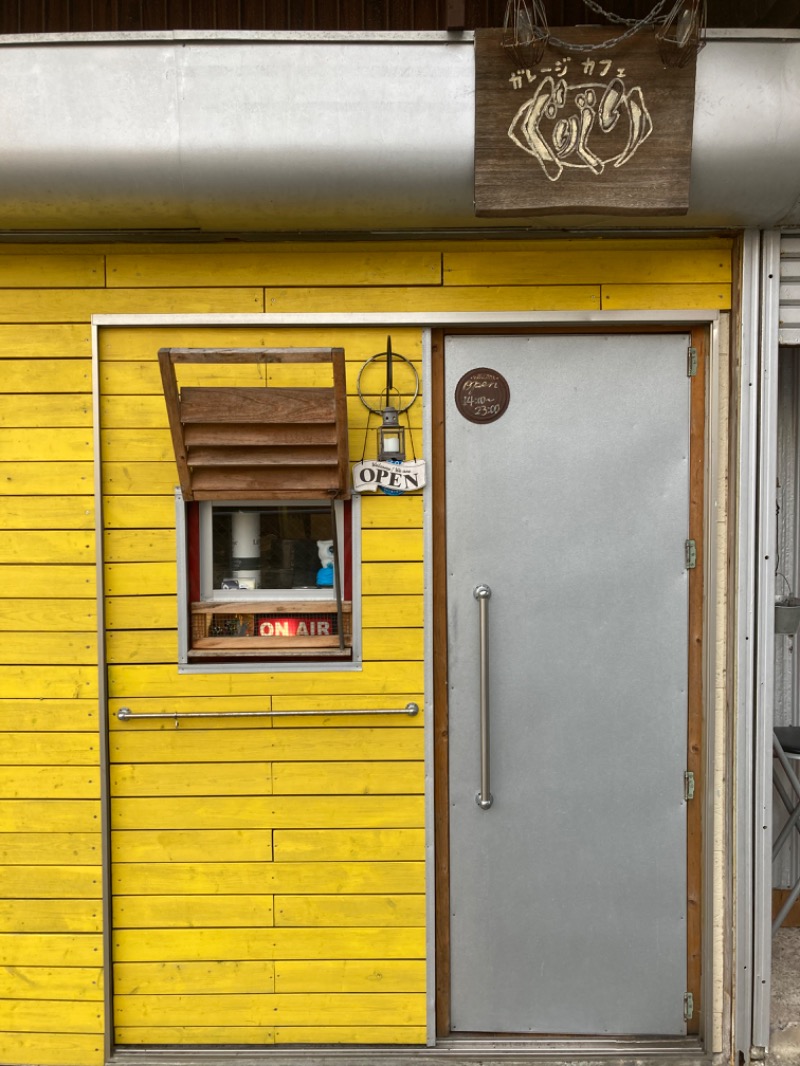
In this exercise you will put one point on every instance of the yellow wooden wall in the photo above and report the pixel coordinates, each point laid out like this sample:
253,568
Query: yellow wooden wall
268,879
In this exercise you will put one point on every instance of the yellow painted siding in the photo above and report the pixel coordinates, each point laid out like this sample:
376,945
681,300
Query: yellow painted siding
268,877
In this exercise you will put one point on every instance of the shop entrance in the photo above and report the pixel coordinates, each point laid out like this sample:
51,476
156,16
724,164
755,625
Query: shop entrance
570,673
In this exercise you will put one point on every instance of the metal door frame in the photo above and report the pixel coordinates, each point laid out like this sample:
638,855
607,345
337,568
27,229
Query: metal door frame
702,592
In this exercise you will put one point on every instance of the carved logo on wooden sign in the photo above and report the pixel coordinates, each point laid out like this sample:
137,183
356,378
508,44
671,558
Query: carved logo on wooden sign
600,131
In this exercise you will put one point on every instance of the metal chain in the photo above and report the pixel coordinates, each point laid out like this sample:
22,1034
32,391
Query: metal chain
633,27
610,16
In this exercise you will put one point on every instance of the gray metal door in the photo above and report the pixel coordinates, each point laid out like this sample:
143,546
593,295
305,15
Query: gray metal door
568,893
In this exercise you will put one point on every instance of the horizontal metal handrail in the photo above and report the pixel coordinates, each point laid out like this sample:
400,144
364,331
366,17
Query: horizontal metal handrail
125,714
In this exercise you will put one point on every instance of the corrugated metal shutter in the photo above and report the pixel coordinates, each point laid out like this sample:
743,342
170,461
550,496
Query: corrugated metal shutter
790,289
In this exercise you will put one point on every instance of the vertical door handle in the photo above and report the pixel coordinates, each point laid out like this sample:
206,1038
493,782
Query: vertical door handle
482,594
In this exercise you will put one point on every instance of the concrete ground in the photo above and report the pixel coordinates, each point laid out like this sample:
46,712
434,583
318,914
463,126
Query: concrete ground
785,1005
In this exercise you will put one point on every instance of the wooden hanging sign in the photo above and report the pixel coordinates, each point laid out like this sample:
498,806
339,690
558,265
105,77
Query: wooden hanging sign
602,131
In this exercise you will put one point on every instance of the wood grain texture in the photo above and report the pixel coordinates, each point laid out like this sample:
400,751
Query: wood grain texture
273,268
607,135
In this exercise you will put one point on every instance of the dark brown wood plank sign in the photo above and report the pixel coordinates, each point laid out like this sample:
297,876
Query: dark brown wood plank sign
603,132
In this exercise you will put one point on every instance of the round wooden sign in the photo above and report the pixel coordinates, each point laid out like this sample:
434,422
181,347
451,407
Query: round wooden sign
482,395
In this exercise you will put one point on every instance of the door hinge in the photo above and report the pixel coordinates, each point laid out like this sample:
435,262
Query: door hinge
691,554
688,1006
691,367
688,785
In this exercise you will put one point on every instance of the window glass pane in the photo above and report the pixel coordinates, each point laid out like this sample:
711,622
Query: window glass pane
271,547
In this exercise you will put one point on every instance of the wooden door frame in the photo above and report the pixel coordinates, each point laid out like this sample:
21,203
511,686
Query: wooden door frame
700,341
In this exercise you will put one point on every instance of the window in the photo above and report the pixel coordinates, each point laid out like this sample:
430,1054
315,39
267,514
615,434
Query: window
266,582
265,523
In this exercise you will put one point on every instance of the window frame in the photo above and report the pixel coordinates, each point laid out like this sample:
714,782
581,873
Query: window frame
271,660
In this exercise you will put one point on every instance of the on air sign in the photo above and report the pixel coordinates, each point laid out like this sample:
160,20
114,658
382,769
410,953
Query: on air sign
295,626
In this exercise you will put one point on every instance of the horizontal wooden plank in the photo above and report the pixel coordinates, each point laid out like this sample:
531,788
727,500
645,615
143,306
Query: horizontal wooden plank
32,341
43,816
391,545
509,297
390,579
48,682
45,513
215,977
390,683
588,264
197,945
128,579
50,782
342,778
350,975
391,512
49,916
40,879
275,268
58,616
139,479
63,1016
134,745
29,547
35,479
192,779
50,949
376,611
244,405
38,715
789,316
118,413
144,444
34,748
188,912
251,878
37,410
141,612
49,376
52,1049
139,512
51,982
47,583
635,297
54,648
191,845
310,1009
790,262
339,911
353,1034
382,645
139,545
240,812
193,1035
22,444
349,845
42,304
46,270
53,849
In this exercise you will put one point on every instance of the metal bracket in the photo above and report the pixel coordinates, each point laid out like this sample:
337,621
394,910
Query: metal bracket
691,368
688,1006
691,554
688,786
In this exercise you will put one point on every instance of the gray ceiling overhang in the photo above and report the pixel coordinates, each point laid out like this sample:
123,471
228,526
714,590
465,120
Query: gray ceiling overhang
280,133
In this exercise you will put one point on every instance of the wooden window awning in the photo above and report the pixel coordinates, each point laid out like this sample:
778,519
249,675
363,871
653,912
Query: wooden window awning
269,442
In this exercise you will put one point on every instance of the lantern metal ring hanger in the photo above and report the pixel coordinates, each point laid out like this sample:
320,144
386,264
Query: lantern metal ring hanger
391,435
